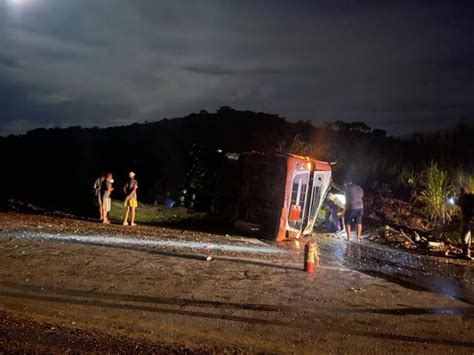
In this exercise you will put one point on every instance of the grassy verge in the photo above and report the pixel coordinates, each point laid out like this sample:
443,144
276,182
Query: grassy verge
159,215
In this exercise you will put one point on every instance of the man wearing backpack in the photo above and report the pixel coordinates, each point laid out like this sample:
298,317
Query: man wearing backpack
97,186
131,202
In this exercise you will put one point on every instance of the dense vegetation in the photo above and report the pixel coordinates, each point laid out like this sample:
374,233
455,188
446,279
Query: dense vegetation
56,167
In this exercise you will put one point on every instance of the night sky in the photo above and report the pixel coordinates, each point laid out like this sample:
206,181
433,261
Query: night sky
397,65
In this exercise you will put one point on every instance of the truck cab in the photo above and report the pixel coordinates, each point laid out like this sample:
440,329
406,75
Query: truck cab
276,196
280,194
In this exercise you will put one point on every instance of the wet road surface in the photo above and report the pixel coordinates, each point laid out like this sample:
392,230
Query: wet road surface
453,279
155,287
444,276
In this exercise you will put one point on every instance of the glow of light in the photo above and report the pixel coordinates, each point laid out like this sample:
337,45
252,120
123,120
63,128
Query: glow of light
341,198
451,201
20,2
142,242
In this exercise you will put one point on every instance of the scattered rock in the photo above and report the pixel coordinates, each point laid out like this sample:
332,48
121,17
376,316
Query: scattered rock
359,289
436,244
417,237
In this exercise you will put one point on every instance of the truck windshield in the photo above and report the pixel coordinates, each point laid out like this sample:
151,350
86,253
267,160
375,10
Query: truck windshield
298,200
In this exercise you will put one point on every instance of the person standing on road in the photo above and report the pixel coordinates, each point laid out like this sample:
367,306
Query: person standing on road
466,203
106,191
354,208
131,201
97,192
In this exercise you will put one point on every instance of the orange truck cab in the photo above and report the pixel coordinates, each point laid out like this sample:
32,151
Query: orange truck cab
275,196
280,194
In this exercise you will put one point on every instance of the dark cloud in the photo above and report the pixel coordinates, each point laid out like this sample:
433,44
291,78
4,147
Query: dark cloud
9,63
399,65
220,70
24,107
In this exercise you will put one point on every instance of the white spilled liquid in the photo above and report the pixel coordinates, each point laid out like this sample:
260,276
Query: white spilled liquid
167,243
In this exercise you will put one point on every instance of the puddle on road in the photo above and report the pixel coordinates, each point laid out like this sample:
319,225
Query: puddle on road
109,240
410,270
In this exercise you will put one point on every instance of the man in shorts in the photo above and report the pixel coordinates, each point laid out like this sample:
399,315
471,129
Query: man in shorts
106,191
131,201
354,208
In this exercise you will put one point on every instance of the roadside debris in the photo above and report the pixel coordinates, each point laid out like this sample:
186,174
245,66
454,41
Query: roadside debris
22,206
358,289
412,240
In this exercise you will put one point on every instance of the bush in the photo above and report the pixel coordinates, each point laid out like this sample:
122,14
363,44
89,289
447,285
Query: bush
408,176
436,190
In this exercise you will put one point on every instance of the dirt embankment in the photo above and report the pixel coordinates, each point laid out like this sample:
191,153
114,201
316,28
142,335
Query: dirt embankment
401,209
397,219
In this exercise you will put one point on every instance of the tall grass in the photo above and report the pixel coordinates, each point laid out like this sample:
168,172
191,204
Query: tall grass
437,188
465,180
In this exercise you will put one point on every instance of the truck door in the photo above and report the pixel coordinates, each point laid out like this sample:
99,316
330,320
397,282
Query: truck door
320,184
298,201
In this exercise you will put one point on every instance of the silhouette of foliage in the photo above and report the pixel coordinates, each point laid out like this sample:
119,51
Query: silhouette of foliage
56,167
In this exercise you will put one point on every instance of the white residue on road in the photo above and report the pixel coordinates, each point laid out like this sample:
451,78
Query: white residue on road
167,243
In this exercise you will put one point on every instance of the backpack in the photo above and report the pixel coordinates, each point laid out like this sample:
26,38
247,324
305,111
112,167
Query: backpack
98,185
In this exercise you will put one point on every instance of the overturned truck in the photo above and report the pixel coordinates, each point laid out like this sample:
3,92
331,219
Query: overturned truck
275,196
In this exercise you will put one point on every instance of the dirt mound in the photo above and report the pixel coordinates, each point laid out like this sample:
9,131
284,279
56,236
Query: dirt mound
396,218
383,206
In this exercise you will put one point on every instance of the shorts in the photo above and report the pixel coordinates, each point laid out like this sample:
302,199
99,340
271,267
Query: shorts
353,216
106,204
131,202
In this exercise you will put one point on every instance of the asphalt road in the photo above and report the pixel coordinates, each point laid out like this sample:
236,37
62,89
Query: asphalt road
69,285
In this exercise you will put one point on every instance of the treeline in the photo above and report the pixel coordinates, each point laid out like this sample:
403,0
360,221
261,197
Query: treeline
369,155
56,167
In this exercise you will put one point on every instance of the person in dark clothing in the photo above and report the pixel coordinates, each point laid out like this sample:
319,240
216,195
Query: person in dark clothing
330,222
98,194
466,203
334,212
354,208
